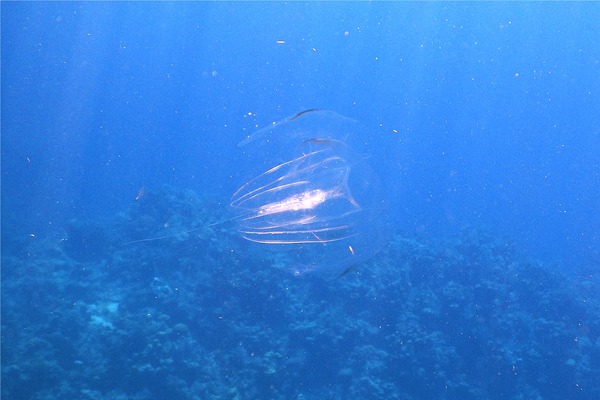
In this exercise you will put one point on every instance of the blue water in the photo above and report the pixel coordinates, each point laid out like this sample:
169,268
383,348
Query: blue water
121,123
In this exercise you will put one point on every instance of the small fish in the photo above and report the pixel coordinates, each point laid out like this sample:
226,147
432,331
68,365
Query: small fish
301,113
348,270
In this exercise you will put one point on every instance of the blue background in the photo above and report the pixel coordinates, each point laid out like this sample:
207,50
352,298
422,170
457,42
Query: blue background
478,116
484,114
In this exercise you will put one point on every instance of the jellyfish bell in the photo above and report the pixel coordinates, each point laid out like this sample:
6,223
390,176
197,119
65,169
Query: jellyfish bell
320,205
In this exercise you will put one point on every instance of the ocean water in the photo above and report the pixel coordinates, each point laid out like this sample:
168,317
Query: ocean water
324,200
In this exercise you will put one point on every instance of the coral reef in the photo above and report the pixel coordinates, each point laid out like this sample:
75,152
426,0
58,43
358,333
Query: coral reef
201,314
